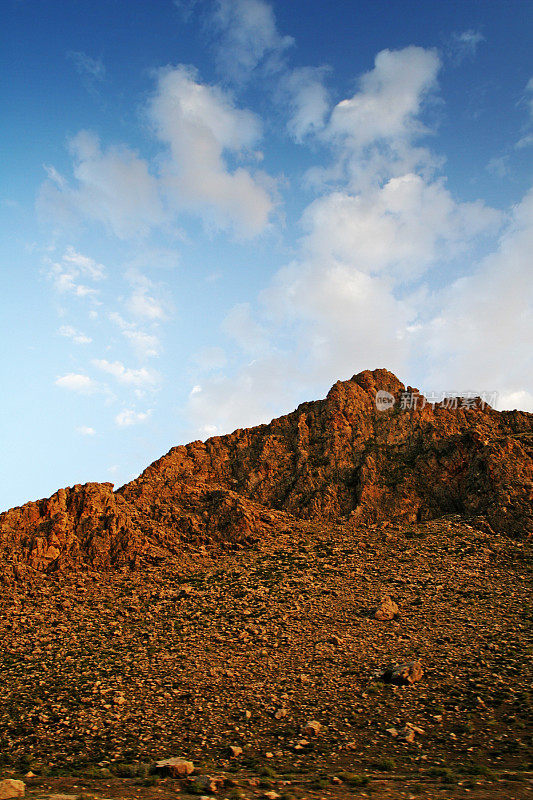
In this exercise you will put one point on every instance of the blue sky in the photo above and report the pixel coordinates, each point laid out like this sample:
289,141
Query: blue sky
212,210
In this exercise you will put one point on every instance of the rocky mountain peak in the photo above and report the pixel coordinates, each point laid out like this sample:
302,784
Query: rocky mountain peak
349,458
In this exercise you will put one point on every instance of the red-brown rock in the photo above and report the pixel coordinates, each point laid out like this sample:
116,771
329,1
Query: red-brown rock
336,459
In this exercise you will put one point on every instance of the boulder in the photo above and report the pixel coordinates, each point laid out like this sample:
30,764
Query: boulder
10,788
386,609
175,767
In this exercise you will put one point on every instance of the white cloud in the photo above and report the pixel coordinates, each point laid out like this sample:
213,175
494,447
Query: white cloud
112,186
251,396
200,124
146,345
403,227
127,375
240,325
143,303
86,430
308,100
67,273
84,264
71,333
482,326
390,98
209,358
76,382
374,130
521,399
357,294
128,417
248,37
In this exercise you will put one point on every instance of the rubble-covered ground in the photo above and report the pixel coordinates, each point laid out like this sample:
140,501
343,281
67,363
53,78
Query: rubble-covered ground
104,673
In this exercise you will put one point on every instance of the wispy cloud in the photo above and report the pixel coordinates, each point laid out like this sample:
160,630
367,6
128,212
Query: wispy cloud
76,382
71,333
88,67
464,44
69,273
146,345
527,139
86,430
143,302
113,186
127,375
305,91
128,417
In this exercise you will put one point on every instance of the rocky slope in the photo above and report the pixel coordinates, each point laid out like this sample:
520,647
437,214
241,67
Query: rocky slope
338,459
267,667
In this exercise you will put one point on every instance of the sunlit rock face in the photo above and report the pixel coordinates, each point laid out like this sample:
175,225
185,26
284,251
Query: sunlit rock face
348,458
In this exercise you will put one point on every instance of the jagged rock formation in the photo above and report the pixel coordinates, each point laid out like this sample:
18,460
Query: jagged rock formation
338,459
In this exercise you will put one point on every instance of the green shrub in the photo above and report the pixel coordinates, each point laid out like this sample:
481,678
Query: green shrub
131,770
385,764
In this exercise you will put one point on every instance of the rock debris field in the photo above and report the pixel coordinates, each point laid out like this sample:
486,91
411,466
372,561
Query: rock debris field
321,661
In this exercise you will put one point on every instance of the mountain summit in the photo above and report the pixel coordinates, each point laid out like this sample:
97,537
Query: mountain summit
372,451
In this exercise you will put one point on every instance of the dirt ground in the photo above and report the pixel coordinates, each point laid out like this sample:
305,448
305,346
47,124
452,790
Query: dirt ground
104,674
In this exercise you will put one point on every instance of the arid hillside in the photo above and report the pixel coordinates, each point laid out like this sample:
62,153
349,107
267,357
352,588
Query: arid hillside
340,459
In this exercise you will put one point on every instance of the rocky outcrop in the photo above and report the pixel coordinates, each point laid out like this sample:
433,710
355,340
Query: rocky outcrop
335,459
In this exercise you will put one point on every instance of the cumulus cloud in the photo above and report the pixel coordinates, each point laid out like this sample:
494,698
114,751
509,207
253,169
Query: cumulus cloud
112,186
247,37
481,332
359,292
127,375
71,333
201,124
76,382
387,106
403,227
374,131
128,417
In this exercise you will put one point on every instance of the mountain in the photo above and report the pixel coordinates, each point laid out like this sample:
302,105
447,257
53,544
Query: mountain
340,459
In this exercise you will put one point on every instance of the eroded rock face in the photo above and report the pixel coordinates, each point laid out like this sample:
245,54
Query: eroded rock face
336,459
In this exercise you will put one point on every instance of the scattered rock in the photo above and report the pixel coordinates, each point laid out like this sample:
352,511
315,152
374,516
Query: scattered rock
408,733
386,610
312,728
404,675
207,783
175,767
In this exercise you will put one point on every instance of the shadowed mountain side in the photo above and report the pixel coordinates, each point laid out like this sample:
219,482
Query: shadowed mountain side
338,459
